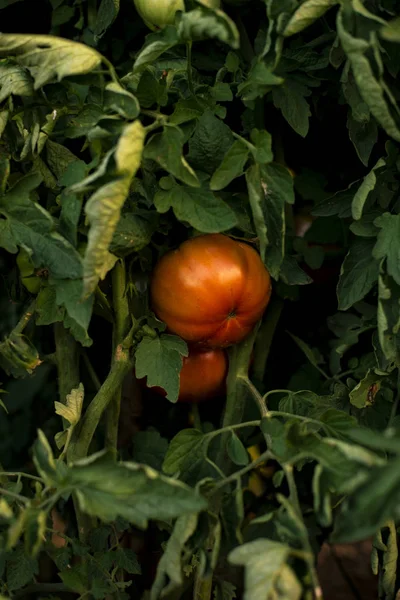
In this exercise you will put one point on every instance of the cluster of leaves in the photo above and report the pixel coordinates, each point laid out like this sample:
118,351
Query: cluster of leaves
115,145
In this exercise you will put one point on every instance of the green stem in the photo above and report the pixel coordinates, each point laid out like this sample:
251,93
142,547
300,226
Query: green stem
303,531
67,355
122,364
20,474
14,496
24,320
239,359
189,67
265,336
237,474
257,397
121,326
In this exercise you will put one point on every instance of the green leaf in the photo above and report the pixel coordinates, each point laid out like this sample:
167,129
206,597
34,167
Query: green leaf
160,360
308,352
373,503
200,208
106,15
119,100
126,559
156,45
166,149
14,80
33,228
59,158
133,233
137,493
44,459
391,31
367,185
35,531
47,310
306,14
266,573
259,82
21,569
185,450
78,312
262,141
388,243
290,98
149,448
169,576
359,273
369,87
387,555
61,15
236,450
211,140
104,207
365,391
205,23
225,590
232,166
364,136
389,318
48,57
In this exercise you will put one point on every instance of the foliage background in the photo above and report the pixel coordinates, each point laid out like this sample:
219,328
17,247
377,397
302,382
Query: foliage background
318,80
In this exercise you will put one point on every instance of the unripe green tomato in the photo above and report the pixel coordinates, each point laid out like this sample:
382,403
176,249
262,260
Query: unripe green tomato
158,13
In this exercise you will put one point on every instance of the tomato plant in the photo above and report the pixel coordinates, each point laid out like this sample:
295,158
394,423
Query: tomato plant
211,290
202,195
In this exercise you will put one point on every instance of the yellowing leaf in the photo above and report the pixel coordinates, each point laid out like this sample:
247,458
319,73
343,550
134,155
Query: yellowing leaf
48,57
104,206
71,411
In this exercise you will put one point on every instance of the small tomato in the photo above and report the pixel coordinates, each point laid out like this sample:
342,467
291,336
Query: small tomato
211,290
159,13
202,376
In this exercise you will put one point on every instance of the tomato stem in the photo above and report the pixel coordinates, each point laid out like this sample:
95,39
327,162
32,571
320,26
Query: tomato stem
121,325
189,67
265,336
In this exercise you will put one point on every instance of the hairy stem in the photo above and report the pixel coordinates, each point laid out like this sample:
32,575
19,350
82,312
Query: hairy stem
189,67
317,590
121,365
24,320
67,356
265,336
121,326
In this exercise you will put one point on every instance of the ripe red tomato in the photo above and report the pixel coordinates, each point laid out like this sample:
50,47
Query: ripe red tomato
211,290
202,375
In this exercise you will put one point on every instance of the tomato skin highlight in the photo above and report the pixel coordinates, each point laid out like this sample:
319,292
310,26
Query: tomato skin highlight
211,290
202,376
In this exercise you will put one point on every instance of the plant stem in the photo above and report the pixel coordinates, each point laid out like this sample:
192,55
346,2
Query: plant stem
24,320
67,355
234,476
303,531
20,474
257,397
14,496
121,326
265,336
239,359
121,365
189,67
